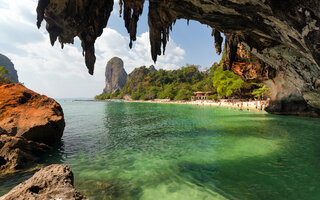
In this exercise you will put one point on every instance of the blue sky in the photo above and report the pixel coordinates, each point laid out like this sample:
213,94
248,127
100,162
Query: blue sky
62,73
194,38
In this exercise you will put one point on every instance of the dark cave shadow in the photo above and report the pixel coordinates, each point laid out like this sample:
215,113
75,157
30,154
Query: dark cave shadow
54,155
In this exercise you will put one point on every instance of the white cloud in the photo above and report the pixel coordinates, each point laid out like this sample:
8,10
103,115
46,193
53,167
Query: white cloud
62,73
114,44
17,21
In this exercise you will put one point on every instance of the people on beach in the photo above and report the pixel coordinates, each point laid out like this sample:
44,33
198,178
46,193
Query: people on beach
241,105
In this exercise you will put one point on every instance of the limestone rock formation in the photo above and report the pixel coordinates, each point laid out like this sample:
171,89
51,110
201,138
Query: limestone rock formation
283,88
17,153
30,115
116,76
285,35
52,182
152,68
6,62
249,67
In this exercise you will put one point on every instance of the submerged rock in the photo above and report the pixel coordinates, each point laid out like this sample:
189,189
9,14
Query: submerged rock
17,153
52,182
6,62
116,76
30,115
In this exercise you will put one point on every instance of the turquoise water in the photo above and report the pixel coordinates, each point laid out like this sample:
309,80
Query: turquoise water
146,151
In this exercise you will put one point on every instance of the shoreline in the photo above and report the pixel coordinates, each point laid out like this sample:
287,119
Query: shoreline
239,105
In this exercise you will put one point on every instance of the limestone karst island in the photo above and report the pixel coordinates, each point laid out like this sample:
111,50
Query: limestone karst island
159,100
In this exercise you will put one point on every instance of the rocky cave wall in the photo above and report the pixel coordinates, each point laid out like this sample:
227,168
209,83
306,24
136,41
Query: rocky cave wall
284,35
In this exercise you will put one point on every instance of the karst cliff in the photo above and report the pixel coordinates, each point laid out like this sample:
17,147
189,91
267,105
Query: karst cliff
116,76
6,62
283,35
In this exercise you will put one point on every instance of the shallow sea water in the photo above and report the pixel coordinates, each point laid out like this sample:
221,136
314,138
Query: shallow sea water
121,150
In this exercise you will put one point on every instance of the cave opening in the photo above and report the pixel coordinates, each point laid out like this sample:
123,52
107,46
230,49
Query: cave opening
282,40
194,38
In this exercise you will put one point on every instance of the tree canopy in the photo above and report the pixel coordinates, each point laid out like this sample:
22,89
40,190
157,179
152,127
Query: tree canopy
147,83
3,78
226,82
3,71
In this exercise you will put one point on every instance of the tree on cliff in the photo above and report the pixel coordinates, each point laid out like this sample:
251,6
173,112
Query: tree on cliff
4,71
226,82
261,91
146,83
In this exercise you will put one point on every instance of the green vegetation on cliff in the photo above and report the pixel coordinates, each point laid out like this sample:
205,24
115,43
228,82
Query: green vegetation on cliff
4,79
11,71
226,82
147,83
103,96
261,91
177,84
3,70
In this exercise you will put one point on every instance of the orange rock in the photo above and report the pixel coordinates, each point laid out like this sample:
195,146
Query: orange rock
30,115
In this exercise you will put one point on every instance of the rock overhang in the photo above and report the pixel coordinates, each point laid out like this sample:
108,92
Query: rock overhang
259,24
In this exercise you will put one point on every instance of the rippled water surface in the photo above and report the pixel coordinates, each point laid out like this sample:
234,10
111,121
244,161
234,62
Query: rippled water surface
123,150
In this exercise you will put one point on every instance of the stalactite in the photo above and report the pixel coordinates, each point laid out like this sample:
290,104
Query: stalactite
217,40
120,5
232,41
83,19
42,5
131,12
260,25
160,23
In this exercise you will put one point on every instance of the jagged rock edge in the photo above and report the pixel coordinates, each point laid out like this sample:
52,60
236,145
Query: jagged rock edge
88,35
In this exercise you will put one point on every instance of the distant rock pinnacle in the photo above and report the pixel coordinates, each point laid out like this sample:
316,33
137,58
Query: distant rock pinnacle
116,76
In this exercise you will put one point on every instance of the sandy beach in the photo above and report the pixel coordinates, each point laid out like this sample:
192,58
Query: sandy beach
241,105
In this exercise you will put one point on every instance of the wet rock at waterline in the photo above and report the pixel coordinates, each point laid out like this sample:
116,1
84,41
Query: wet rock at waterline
30,115
17,153
52,182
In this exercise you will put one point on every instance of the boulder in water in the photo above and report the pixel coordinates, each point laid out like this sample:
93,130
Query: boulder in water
30,115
